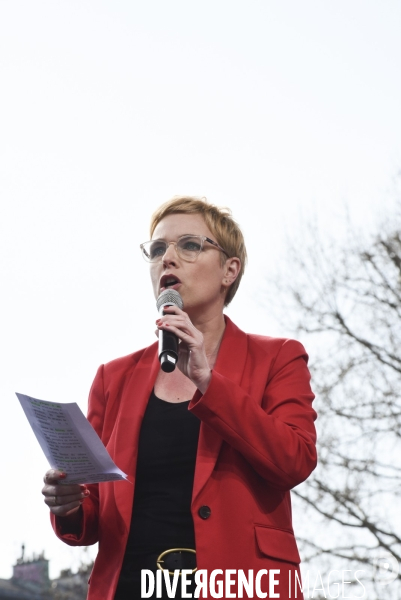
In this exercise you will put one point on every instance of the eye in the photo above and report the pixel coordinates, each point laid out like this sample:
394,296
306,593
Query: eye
190,244
157,249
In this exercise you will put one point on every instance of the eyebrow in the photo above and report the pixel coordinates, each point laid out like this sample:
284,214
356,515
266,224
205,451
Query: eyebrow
182,235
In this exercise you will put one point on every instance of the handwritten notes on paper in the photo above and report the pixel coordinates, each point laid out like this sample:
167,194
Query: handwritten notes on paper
69,441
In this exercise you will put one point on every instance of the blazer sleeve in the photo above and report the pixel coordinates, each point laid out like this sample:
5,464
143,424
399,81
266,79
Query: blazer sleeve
275,433
85,533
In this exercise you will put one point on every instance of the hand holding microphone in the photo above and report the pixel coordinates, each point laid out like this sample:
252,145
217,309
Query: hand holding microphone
168,341
174,326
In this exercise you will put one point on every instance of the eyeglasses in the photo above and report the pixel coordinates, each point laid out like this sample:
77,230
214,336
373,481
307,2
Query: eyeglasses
188,247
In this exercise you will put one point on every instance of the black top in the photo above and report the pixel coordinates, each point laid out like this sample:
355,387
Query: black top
161,515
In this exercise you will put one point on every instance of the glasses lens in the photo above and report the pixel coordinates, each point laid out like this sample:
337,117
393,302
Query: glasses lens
189,246
154,250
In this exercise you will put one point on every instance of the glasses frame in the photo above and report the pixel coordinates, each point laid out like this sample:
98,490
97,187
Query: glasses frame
202,238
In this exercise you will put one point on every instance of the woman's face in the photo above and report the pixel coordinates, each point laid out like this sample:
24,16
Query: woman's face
202,283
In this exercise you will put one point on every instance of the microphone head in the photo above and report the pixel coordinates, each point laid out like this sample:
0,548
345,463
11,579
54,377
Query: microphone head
169,297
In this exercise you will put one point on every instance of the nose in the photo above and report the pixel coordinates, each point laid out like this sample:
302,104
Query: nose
170,256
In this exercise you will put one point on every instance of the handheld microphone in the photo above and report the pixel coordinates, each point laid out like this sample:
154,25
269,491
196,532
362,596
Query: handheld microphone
168,341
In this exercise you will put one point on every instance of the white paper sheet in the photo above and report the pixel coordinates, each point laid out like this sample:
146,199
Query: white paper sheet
69,441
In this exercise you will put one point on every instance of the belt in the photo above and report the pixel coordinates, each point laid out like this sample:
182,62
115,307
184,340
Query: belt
177,558
172,559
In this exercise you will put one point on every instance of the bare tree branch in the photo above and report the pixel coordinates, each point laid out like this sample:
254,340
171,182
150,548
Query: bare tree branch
345,302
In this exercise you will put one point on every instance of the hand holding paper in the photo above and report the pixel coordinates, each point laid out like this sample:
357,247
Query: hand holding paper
69,442
63,500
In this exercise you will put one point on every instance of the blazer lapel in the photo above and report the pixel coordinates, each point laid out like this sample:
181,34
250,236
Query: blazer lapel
230,363
132,409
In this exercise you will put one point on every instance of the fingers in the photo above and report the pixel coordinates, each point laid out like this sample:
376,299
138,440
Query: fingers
53,475
65,509
62,499
57,500
175,313
63,491
62,504
181,325
173,309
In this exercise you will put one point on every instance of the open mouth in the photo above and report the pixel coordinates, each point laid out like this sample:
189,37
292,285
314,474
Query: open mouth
169,281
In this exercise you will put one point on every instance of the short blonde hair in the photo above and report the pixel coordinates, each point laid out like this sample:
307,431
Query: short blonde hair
220,222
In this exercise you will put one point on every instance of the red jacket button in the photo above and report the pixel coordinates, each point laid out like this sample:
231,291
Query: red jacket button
204,512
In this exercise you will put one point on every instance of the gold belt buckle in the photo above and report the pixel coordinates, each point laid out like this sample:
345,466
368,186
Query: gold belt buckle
163,554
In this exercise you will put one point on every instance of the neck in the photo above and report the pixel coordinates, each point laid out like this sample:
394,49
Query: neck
212,327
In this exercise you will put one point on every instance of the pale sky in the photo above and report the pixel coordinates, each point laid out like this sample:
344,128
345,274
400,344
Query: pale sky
283,111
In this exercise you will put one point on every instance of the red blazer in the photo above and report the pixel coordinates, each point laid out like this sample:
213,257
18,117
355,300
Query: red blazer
256,442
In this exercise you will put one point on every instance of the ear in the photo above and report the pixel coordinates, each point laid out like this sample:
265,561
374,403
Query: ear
231,271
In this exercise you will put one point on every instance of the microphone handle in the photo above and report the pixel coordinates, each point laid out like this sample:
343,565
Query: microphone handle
168,350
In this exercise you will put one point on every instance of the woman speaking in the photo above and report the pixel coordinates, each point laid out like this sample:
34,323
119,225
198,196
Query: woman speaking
212,447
